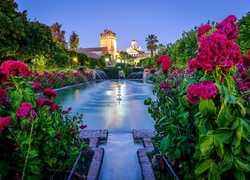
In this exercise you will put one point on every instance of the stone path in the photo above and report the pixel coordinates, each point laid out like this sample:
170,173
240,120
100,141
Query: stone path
145,136
93,137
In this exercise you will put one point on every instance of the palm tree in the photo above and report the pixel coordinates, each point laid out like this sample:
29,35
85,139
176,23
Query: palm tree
151,43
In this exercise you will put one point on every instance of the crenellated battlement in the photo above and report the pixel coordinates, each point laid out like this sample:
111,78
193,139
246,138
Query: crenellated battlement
108,33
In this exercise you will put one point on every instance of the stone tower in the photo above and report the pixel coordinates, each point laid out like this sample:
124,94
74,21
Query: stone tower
108,39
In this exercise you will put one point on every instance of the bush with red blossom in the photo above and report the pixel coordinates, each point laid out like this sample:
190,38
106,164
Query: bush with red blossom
165,86
3,96
49,92
15,68
37,87
165,62
34,135
4,123
203,124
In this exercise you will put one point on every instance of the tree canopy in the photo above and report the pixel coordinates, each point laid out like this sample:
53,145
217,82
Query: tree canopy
152,41
244,33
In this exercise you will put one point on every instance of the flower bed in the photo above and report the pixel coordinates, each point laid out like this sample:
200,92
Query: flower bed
55,79
37,136
202,114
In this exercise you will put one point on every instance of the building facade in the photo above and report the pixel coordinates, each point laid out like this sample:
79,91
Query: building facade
108,39
136,52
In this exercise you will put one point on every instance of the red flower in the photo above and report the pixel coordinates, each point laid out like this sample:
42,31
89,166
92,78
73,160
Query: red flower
37,87
82,126
15,68
208,90
228,28
202,30
58,135
3,96
217,50
193,93
192,65
165,86
69,109
165,61
32,115
71,129
39,102
54,107
49,92
205,90
5,122
65,112
23,110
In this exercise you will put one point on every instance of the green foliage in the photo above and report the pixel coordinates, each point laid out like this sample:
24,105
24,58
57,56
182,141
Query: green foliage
244,33
74,41
183,49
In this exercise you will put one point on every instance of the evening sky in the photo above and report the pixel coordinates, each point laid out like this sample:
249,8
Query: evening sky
130,19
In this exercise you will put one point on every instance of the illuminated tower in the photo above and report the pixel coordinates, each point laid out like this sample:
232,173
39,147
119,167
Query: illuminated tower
108,39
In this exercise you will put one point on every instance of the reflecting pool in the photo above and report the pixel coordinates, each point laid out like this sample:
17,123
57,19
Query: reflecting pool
119,108
105,105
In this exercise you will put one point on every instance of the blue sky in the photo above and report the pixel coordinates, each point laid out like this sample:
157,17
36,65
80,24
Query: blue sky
130,19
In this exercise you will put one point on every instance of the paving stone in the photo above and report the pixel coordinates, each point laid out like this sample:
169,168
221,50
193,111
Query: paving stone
146,166
93,142
96,163
147,171
143,133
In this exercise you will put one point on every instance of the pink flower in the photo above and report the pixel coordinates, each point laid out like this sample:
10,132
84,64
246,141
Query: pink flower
23,110
69,109
3,96
15,68
49,92
37,87
74,117
71,129
5,122
165,61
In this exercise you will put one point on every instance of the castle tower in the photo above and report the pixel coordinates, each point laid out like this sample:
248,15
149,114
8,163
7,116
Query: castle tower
108,39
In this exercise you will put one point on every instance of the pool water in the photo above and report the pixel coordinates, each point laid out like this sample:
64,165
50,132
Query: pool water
117,106
102,109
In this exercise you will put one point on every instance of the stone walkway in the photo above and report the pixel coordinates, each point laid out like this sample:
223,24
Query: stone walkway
145,136
93,137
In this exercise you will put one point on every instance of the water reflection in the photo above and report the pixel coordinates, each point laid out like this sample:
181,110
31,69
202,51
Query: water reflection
102,109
